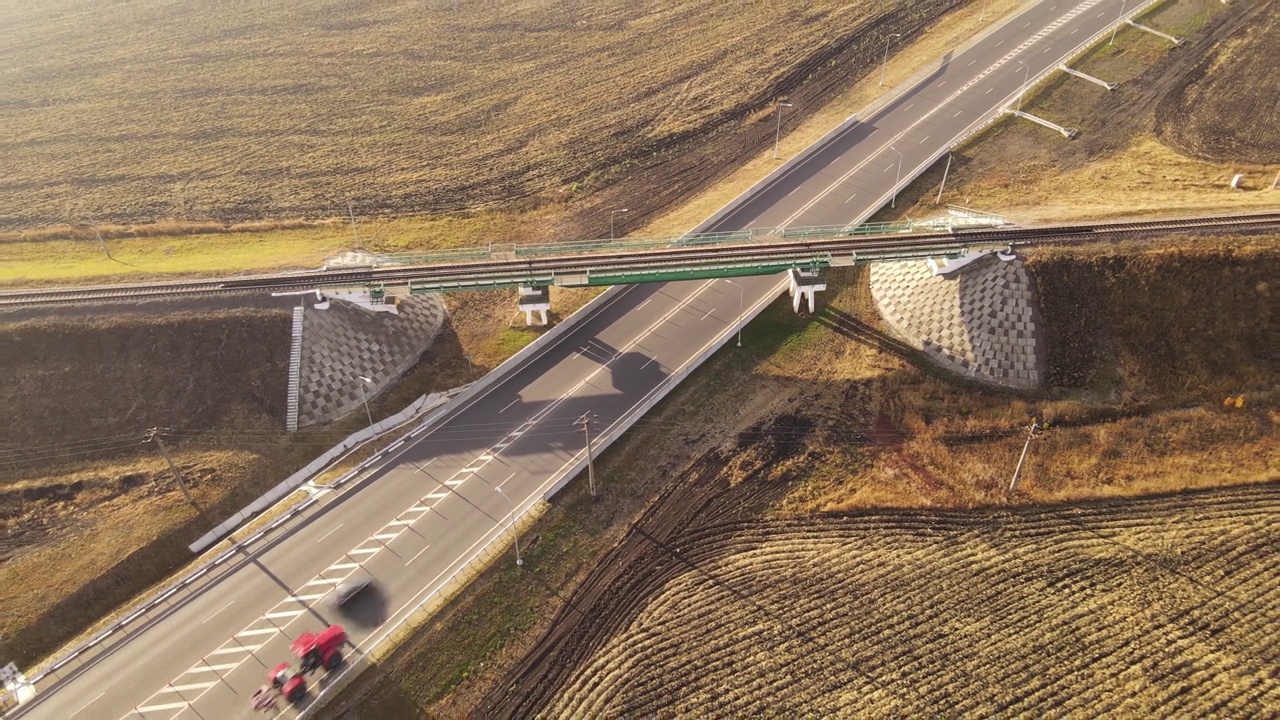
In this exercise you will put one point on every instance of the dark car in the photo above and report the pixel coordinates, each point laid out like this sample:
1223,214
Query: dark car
350,589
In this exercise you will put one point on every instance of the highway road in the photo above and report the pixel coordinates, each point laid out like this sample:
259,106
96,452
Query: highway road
446,496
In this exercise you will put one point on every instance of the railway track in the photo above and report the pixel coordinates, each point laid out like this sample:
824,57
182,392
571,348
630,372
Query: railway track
675,257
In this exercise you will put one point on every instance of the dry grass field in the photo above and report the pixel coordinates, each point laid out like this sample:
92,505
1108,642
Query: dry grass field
130,113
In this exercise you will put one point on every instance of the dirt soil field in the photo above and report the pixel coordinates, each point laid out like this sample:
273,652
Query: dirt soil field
1227,108
831,415
1154,607
139,113
1182,123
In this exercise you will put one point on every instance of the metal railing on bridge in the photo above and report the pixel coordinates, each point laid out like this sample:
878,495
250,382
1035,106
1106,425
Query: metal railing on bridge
510,251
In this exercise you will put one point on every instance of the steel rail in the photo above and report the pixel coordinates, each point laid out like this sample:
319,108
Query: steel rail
510,270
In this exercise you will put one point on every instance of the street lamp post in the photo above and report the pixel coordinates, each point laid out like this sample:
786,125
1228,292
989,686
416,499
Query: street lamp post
613,214
885,65
585,421
1120,19
514,534
777,132
365,396
740,307
894,202
1026,73
984,10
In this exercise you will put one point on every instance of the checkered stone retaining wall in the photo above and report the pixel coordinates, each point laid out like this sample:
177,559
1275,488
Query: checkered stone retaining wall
979,321
342,343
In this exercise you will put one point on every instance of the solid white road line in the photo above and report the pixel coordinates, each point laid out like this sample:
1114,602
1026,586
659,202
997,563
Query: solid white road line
360,551
162,706
415,557
215,612
237,648
328,534
321,581
82,707
283,614
342,566
260,631
211,668
192,686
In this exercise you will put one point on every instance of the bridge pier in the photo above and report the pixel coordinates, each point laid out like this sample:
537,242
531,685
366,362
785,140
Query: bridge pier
534,299
805,283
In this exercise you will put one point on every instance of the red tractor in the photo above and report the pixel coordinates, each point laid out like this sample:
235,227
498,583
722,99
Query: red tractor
313,651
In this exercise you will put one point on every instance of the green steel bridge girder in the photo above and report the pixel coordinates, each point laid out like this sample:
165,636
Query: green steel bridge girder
611,276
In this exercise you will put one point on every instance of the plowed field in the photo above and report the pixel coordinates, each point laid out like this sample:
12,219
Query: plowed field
1228,107
139,112
1158,607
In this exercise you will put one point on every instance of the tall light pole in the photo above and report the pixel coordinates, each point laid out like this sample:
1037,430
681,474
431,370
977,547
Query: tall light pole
514,534
777,132
1026,73
740,306
585,422
984,10
1119,20
365,396
885,65
894,202
613,214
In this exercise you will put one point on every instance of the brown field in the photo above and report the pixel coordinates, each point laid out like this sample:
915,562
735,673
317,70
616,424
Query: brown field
1228,107
1154,607
140,113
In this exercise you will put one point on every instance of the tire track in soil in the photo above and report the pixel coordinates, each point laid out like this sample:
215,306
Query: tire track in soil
652,553
706,539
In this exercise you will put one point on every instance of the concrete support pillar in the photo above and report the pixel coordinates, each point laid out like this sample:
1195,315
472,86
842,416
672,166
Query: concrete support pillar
805,283
534,300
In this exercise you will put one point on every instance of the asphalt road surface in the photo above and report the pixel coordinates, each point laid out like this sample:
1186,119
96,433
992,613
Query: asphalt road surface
452,492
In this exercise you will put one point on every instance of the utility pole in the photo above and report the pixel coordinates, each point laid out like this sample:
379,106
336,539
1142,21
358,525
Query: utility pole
938,199
1032,431
585,422
351,214
777,132
102,243
153,435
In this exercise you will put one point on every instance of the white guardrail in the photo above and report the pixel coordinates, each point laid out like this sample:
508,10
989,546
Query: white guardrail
615,430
